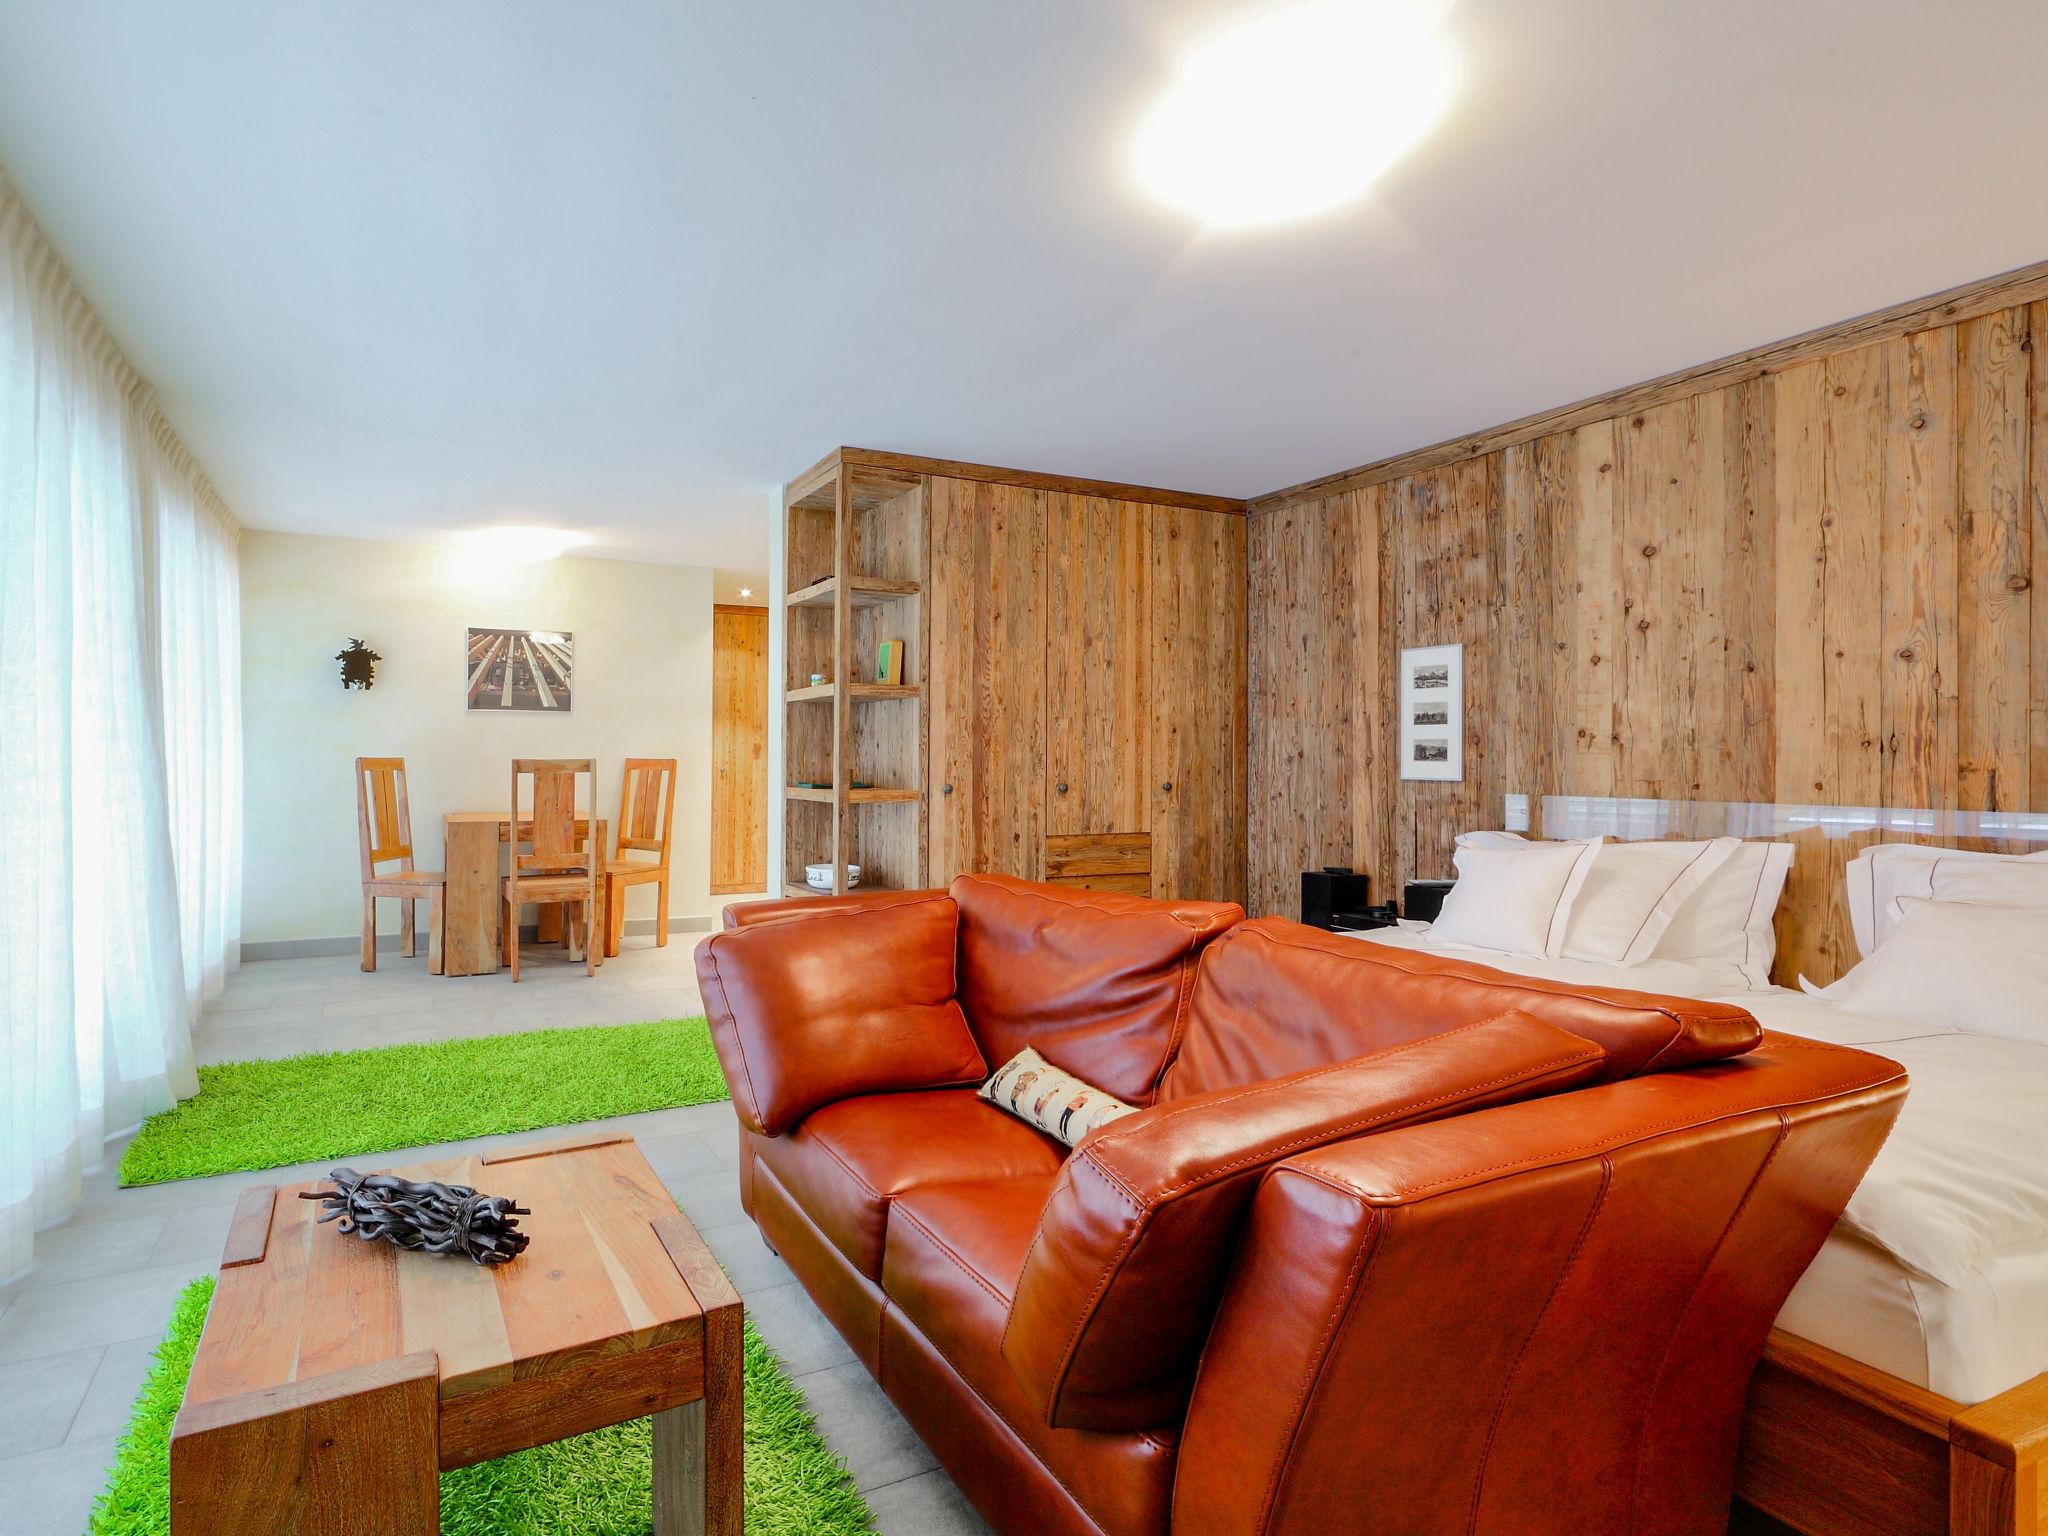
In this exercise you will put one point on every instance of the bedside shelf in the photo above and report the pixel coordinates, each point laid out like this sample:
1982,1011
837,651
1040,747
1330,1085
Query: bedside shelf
870,796
799,888
866,592
859,692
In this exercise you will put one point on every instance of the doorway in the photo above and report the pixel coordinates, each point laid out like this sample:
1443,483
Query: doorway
739,750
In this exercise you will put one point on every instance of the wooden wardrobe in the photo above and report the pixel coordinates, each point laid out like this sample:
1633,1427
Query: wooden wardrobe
1085,681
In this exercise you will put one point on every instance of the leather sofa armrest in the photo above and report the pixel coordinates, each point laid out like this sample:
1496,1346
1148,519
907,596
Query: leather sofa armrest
1548,1306
848,1001
1132,1250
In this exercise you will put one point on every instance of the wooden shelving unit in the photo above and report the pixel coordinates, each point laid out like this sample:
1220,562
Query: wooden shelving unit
856,552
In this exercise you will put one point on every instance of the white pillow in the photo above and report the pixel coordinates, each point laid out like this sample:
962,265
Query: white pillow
1955,965
1880,874
1517,900
1634,892
1728,922
1631,895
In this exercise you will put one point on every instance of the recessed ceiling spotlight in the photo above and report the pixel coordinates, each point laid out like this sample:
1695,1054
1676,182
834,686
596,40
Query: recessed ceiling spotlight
1296,110
746,591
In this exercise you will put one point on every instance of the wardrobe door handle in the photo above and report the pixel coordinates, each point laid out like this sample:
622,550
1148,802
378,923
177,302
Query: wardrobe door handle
947,790
1063,789
1167,786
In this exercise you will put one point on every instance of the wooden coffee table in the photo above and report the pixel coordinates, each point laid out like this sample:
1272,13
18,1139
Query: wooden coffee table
336,1378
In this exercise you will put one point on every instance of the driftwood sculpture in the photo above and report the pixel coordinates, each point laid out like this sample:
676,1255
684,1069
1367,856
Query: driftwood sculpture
432,1218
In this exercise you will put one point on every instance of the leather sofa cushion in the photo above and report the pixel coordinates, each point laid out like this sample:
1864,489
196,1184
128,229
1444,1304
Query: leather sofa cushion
953,1255
848,1002
1096,982
1135,1244
1274,997
846,1162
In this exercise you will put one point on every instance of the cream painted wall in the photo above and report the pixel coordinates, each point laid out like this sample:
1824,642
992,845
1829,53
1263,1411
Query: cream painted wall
643,689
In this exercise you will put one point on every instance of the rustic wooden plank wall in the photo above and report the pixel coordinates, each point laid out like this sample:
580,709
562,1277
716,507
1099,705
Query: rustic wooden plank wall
1086,680
1817,584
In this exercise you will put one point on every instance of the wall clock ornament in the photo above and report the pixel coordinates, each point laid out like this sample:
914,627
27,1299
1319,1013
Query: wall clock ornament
358,665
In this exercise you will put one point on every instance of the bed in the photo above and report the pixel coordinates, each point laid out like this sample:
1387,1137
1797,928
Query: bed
1904,1391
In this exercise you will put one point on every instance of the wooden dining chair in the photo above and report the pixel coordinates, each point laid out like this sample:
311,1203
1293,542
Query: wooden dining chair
647,814
384,831
559,868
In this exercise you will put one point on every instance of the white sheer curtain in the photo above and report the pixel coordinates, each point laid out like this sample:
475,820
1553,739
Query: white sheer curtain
119,744
195,588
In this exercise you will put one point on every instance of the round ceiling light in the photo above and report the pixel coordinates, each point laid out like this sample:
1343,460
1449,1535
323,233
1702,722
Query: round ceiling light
522,544
1295,111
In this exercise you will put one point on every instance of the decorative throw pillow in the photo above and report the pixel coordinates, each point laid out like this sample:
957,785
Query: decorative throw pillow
1058,1103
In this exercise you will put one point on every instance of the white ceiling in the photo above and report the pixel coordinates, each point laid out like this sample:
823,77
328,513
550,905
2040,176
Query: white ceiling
399,268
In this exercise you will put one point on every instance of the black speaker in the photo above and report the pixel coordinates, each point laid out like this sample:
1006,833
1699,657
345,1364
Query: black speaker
1421,900
1330,890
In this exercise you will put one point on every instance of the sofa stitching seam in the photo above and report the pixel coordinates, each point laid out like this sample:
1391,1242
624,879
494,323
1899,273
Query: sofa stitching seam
1353,1281
852,1172
739,1038
1112,1133
1634,1133
1282,1085
961,1264
1281,1150
954,1367
1699,1280
1522,1353
1190,966
1108,1277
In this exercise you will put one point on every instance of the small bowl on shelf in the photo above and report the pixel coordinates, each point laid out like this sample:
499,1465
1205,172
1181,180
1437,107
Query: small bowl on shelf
819,876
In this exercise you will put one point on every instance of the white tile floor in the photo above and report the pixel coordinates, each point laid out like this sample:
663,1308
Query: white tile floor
76,1333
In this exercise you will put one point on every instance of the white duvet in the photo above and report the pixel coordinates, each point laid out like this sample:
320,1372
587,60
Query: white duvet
1965,1173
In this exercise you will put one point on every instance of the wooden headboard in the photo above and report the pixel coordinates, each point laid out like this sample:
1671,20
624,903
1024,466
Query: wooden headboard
1815,574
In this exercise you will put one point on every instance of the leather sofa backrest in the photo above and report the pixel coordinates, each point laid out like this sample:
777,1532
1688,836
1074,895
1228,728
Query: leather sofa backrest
1094,981
1274,997
746,914
851,1001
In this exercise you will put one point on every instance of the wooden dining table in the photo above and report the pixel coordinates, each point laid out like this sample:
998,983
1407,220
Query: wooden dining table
472,922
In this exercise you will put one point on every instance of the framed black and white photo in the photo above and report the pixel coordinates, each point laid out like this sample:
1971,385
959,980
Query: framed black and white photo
521,669
1432,705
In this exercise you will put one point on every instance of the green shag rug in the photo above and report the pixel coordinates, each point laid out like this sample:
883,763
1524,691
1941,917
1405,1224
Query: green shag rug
304,1109
597,1484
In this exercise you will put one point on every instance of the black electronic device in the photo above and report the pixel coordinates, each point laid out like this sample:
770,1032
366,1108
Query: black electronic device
1421,900
1382,916
1332,889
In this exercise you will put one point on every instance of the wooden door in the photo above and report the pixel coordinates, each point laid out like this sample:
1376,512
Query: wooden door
986,684
1098,665
739,750
1196,746
1098,801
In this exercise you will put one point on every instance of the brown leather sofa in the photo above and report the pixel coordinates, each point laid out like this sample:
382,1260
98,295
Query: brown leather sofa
1395,1245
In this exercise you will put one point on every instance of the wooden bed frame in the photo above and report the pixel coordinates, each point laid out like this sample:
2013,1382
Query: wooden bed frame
1833,1447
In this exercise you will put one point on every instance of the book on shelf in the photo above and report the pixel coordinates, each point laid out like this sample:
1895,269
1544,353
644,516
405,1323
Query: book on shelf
889,663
